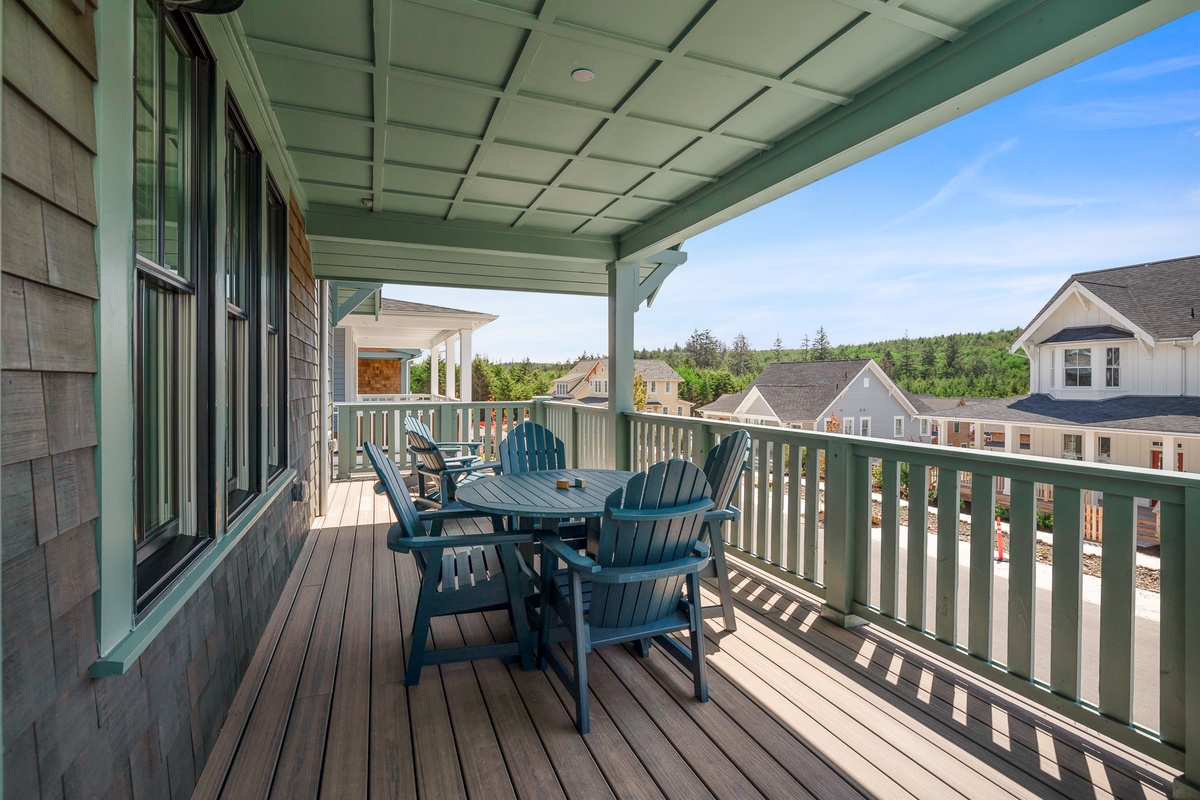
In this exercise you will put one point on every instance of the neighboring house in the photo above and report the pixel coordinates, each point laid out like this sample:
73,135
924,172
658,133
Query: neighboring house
376,341
587,382
958,434
1114,373
808,394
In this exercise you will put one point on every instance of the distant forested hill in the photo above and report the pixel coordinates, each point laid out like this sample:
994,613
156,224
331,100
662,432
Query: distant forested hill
956,365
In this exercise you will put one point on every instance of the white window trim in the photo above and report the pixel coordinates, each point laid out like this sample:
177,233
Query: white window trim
924,427
653,387
848,425
864,426
1116,369
898,427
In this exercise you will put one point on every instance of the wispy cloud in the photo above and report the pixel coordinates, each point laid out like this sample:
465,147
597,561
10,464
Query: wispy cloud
961,180
1137,72
1143,111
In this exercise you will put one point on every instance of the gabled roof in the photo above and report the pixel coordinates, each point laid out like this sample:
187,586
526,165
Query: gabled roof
1088,333
802,390
726,403
388,305
1160,297
1150,413
651,369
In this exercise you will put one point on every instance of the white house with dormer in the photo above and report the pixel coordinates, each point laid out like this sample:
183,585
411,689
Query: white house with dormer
1114,373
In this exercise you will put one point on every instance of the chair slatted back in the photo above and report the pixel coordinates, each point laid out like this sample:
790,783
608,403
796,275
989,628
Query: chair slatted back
417,425
426,451
530,447
628,543
410,524
724,467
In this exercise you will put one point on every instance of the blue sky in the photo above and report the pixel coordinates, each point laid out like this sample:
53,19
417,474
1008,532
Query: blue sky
968,227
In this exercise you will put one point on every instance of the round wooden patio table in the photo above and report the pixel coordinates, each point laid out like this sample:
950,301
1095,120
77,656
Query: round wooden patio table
534,494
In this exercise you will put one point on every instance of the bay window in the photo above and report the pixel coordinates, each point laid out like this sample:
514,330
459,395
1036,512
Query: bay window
1077,366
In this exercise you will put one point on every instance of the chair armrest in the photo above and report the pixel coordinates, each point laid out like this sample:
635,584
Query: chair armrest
669,569
653,514
472,446
449,511
569,555
470,468
465,540
727,514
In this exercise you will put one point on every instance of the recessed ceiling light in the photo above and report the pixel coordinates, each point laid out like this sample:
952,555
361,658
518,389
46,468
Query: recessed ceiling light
583,74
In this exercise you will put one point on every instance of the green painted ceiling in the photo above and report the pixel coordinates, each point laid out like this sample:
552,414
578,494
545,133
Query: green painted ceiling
486,164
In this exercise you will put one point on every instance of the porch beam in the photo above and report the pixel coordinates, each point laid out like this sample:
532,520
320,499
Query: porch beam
355,225
382,13
1012,48
622,304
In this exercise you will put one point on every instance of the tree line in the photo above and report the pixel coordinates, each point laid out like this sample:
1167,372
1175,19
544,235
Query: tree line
955,365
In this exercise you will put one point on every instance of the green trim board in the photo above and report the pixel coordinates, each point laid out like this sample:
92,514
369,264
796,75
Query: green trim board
116,660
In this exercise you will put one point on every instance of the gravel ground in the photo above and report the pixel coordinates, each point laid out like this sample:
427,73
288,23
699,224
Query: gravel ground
1146,578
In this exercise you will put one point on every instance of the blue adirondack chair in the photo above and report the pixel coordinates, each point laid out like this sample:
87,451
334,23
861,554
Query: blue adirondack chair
633,590
723,468
451,451
530,447
445,475
476,572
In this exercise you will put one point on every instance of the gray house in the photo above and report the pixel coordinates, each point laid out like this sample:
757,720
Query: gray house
809,394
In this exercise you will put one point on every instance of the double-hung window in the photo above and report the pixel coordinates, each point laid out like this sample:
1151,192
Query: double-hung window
243,341
277,332
898,427
864,426
172,293
1112,367
1077,365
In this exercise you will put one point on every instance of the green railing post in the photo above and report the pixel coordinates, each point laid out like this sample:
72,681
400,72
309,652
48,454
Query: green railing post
1187,785
447,422
841,522
705,440
538,411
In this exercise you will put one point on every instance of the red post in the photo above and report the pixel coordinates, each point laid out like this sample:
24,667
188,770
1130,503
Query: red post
999,542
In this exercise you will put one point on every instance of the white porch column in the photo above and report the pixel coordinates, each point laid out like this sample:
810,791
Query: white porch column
406,376
1170,454
464,340
1009,447
351,369
434,359
622,304
1089,447
978,435
451,360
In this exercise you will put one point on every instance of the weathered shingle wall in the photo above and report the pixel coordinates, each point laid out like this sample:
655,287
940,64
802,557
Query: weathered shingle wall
147,733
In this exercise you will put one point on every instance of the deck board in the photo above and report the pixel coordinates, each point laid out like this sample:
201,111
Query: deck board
800,708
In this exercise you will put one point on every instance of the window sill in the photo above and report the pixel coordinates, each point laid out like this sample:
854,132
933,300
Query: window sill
125,653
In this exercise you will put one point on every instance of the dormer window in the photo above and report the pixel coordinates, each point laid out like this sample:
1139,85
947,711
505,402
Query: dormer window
1077,366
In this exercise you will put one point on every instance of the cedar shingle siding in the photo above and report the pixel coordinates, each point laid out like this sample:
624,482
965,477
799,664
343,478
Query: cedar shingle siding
145,734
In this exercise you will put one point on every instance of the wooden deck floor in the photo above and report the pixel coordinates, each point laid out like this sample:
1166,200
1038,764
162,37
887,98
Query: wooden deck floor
800,708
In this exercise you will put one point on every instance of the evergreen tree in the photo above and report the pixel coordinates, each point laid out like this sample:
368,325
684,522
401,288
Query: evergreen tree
928,359
704,348
741,358
777,349
888,364
950,357
805,343
820,345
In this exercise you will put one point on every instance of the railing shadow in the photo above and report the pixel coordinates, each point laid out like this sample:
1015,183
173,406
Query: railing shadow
1042,750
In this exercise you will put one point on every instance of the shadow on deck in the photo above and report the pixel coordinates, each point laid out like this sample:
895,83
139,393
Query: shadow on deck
800,708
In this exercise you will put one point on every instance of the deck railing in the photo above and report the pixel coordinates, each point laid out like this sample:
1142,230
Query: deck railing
383,424
827,512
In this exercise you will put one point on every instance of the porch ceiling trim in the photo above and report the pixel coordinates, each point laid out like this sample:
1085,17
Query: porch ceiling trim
1017,45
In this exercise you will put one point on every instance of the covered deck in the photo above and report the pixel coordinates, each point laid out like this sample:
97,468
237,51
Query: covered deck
800,707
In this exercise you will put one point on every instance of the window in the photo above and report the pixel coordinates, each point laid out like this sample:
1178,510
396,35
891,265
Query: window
864,426
866,381
606,387
277,333
1053,367
956,428
596,386
1104,449
1023,441
1077,367
898,427
666,387
243,317
653,387
1073,446
848,425
1112,366
172,293
679,411
924,427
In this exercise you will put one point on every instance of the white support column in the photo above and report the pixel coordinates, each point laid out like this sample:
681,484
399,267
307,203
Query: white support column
1170,454
351,368
434,359
978,436
464,339
406,376
622,305
1089,447
1009,447
451,360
